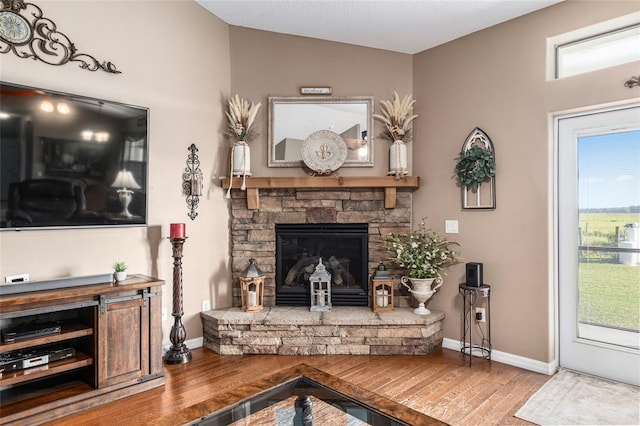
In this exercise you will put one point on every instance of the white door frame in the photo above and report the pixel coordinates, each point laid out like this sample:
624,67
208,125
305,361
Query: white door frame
595,351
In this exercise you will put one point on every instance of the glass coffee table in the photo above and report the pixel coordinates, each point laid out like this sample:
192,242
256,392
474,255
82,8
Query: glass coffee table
301,396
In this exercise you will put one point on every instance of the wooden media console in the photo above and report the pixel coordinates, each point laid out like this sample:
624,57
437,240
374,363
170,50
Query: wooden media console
111,337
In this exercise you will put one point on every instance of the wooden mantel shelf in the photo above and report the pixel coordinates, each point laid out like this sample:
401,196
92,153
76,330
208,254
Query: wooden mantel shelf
389,183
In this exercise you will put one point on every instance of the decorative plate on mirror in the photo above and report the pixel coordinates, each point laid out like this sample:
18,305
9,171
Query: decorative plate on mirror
324,151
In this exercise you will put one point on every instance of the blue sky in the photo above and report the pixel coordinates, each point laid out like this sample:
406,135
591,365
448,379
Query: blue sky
609,168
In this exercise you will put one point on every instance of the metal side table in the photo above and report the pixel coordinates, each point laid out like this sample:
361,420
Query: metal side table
473,297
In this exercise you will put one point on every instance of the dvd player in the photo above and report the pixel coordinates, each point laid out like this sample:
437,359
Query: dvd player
10,362
13,361
29,332
60,353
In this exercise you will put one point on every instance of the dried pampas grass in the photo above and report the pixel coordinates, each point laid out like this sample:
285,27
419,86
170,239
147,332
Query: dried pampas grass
241,116
396,116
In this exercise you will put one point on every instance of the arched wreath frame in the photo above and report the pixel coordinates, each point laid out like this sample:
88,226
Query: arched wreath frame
484,197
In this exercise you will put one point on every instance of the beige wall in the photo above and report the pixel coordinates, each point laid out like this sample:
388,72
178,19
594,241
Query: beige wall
267,64
174,59
496,80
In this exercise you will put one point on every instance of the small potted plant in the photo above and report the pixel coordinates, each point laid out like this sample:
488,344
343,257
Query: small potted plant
120,269
474,166
422,254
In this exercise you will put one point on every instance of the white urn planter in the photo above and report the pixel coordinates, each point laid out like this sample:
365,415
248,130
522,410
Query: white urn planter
398,159
422,290
120,276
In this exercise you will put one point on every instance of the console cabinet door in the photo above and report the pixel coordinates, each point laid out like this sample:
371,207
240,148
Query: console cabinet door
123,338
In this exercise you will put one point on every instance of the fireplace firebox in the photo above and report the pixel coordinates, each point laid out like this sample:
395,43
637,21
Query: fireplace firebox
343,249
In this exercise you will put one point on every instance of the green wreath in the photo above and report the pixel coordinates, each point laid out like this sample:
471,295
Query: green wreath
474,166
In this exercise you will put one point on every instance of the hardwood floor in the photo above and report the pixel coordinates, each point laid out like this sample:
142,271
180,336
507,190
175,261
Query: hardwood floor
440,385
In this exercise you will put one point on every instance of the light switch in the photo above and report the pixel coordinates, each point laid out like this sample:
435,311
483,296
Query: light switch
451,226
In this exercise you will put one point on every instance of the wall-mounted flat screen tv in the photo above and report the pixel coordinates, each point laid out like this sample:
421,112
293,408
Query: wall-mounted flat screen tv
71,161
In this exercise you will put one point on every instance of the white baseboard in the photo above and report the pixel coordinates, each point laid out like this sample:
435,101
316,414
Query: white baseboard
191,344
548,368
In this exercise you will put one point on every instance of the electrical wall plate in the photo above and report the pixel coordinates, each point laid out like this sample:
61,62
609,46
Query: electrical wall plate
451,226
20,278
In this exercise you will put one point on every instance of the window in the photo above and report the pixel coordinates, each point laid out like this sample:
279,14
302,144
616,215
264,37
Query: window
601,51
596,47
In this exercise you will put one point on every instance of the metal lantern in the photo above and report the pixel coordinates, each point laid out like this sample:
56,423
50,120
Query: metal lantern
320,288
252,287
382,290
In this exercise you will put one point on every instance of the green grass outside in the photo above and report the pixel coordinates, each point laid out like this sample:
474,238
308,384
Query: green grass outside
610,294
609,291
599,229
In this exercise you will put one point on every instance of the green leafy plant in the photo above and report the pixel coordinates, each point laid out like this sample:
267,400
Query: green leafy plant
422,253
474,166
119,266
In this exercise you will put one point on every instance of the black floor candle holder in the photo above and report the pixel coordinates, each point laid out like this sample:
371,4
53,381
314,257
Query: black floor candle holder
178,353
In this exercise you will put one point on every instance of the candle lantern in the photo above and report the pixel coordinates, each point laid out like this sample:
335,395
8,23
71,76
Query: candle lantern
252,287
320,288
382,290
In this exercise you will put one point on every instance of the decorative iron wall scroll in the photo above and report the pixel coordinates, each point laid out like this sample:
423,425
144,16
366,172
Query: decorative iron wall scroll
632,82
28,34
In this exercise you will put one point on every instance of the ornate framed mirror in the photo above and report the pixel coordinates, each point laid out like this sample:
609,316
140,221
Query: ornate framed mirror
293,119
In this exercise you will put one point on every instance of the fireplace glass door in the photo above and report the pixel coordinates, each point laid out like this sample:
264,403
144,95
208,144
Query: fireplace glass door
343,249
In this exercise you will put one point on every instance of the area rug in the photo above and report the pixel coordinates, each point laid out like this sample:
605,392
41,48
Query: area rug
570,398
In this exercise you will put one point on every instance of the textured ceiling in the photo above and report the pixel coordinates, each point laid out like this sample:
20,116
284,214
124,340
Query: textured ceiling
396,25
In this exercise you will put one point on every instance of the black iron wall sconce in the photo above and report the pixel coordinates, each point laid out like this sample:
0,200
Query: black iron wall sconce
192,181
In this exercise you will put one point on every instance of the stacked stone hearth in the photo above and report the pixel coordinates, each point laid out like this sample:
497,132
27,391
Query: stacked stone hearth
290,330
293,330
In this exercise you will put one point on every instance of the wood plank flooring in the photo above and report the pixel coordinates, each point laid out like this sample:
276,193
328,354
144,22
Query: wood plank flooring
440,385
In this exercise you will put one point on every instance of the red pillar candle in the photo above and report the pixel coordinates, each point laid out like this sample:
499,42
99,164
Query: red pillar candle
177,230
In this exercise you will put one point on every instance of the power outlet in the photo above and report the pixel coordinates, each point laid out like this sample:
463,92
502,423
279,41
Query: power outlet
206,305
480,317
165,314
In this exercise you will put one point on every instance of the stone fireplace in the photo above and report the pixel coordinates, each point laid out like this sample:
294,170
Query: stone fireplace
253,231
373,205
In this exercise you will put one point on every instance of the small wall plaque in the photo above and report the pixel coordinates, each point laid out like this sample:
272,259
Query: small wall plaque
315,90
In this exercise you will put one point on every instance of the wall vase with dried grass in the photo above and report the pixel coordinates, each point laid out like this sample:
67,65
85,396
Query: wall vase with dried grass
397,118
241,118
241,159
398,159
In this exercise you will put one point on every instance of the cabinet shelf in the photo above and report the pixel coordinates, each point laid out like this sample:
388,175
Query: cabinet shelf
21,376
48,396
68,332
